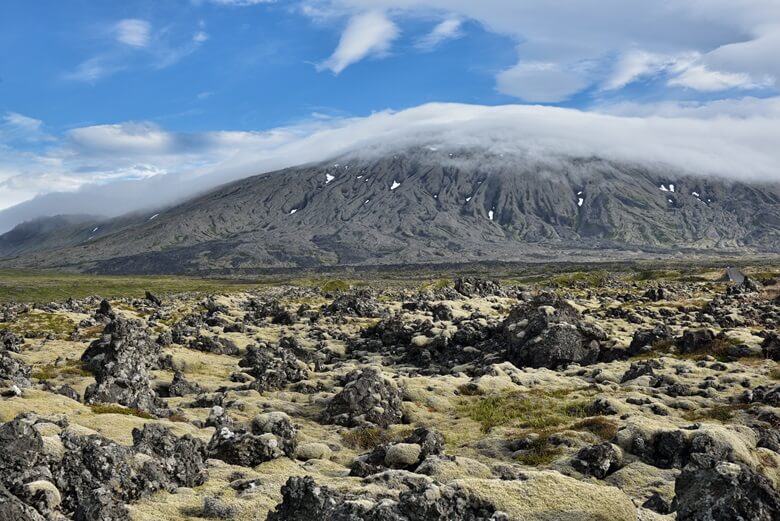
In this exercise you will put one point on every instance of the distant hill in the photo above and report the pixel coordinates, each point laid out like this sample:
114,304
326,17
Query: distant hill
419,205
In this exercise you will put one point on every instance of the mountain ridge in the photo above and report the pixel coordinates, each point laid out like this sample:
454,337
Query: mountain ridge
430,204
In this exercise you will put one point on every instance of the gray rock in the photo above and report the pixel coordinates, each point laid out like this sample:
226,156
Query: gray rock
368,398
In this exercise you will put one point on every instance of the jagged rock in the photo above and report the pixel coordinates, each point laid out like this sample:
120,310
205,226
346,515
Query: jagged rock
725,490
659,293
181,459
475,287
368,398
121,361
10,341
304,500
770,347
214,344
13,509
548,332
769,395
272,436
641,368
13,371
154,299
409,454
218,418
694,340
598,460
273,367
180,386
645,339
358,303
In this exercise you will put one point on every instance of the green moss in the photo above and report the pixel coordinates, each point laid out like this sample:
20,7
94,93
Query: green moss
366,438
535,409
601,426
774,373
335,286
720,413
41,324
48,372
47,286
541,452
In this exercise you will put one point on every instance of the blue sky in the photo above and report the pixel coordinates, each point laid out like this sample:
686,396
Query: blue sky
94,92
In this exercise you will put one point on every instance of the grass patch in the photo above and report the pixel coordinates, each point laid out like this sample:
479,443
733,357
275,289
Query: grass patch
720,413
774,373
541,451
366,438
335,286
47,372
531,410
41,324
46,286
601,426
118,409
580,278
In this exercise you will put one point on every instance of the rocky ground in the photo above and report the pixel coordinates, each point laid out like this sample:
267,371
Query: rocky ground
616,398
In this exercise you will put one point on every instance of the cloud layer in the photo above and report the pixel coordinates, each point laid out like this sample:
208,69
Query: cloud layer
566,47
113,169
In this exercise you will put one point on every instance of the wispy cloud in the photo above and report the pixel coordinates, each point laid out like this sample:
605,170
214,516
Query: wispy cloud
133,32
137,45
367,34
449,29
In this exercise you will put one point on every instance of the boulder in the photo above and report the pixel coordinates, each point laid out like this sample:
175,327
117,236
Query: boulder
598,460
273,367
548,332
367,399
122,360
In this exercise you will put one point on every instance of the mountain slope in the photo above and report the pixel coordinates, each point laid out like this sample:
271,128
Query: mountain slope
428,205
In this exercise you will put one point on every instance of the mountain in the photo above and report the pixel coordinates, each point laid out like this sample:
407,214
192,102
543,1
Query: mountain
422,205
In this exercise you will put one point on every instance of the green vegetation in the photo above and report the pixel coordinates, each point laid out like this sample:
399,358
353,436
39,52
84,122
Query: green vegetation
118,409
541,451
601,426
774,373
40,324
531,410
369,437
45,286
335,286
50,371
580,278
720,413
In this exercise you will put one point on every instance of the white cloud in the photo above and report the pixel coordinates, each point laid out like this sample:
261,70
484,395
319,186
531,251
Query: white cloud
730,139
448,29
133,32
700,78
368,33
22,122
540,81
736,40
200,37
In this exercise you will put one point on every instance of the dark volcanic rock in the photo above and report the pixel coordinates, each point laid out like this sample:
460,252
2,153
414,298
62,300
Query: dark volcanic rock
13,371
405,455
357,303
694,340
598,460
725,490
121,361
304,500
475,287
645,339
10,341
272,436
273,367
181,459
180,386
368,398
214,344
548,332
